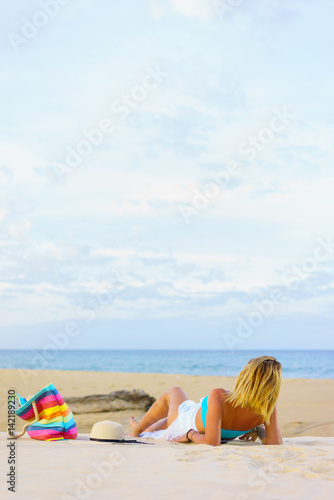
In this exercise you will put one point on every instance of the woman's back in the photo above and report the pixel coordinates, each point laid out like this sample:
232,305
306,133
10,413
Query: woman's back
238,418
233,419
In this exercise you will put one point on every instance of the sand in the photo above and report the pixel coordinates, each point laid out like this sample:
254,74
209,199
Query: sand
303,467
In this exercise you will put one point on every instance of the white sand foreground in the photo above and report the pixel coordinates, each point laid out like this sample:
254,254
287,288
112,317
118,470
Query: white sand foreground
301,468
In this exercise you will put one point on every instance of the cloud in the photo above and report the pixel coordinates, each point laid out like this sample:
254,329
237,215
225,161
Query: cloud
201,9
119,209
158,10
58,278
19,163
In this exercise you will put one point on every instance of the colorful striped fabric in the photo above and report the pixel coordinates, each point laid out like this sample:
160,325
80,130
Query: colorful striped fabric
55,418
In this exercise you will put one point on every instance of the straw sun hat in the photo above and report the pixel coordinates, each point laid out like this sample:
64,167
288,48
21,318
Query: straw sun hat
107,431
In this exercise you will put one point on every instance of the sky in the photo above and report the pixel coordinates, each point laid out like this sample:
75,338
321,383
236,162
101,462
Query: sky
166,174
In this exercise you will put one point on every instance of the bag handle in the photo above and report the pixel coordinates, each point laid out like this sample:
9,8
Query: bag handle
15,436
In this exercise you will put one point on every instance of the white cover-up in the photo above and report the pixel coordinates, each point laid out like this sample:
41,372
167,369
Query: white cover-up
183,422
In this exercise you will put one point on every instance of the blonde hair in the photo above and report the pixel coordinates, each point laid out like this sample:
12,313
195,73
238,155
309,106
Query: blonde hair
258,386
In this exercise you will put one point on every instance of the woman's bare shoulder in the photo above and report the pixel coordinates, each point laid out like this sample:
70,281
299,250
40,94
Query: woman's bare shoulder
219,393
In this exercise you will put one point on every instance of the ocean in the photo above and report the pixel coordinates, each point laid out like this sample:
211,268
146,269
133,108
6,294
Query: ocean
295,363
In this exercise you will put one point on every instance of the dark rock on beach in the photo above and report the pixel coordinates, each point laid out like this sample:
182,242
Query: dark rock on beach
137,399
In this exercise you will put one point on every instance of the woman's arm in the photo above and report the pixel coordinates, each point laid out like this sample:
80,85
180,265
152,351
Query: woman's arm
272,433
268,434
213,422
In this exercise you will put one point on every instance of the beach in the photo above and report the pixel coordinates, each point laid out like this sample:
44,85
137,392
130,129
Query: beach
303,467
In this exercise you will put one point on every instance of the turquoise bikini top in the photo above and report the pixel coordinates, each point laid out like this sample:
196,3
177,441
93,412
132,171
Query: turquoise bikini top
225,434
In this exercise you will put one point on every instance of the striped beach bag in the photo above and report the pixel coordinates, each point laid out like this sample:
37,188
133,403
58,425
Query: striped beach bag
47,415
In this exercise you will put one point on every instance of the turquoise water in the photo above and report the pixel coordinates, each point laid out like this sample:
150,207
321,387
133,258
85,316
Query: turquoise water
296,364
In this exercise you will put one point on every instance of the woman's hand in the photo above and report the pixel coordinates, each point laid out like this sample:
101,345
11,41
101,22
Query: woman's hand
181,439
249,436
254,434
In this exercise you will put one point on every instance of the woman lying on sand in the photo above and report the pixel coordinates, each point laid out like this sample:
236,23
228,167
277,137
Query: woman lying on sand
250,408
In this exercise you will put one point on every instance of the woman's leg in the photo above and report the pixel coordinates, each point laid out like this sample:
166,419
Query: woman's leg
165,407
158,426
161,424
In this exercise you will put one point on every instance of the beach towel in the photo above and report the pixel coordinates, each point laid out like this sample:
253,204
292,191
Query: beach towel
47,415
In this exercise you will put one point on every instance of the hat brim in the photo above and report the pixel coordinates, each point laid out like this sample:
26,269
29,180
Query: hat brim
122,441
